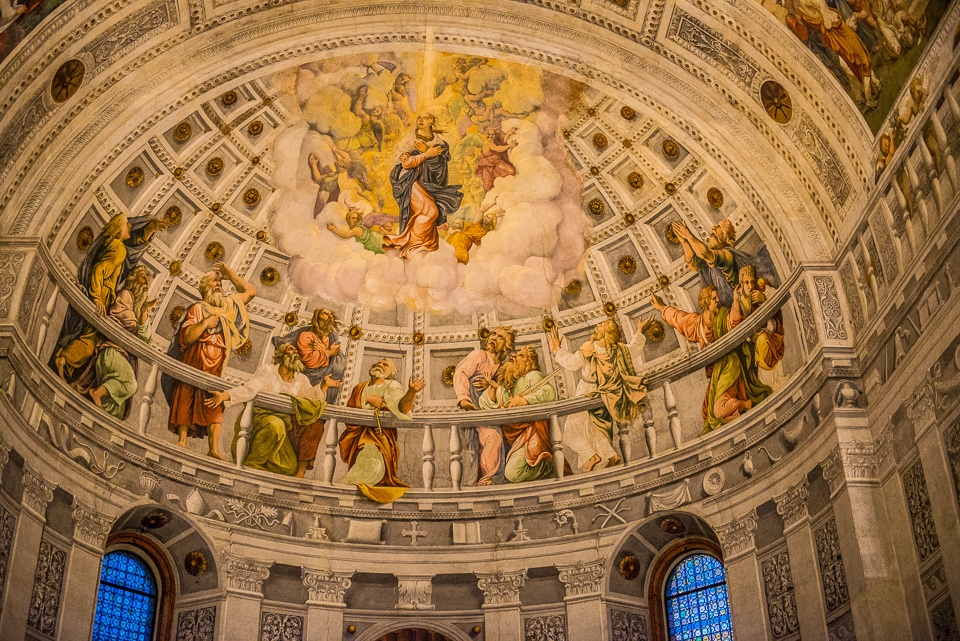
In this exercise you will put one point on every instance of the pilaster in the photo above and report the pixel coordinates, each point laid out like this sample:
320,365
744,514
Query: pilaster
90,530
241,608
586,610
811,613
501,604
744,582
325,604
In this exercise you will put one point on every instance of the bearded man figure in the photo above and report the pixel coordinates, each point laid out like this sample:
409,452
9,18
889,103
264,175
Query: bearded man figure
318,345
280,443
372,454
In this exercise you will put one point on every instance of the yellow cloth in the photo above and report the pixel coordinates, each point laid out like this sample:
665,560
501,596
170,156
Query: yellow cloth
234,334
382,494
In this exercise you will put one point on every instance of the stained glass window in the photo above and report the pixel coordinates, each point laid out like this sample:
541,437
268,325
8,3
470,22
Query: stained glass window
696,601
127,600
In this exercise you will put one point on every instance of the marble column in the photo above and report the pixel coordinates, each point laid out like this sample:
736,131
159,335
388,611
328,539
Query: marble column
501,604
241,607
743,578
811,612
90,532
325,604
586,610
25,552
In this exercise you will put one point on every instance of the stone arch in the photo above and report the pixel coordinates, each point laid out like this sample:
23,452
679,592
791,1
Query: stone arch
375,632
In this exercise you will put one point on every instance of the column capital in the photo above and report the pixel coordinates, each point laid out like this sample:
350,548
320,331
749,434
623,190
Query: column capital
326,587
921,408
90,528
736,537
501,588
415,593
37,491
245,575
856,461
792,505
581,579
4,455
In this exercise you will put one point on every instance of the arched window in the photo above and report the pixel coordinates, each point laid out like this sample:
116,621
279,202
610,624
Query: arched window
127,599
695,600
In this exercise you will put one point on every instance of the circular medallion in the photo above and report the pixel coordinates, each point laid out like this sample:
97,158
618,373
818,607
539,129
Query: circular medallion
214,166
596,207
655,332
629,567
627,113
776,101
627,264
226,130
482,333
548,324
713,481
351,629
418,338
609,309
290,318
269,276
84,238
255,128
155,520
244,348
135,176
670,148
476,629
566,133
715,198
175,315
627,143
629,219
355,332
599,140
591,111
251,197
262,236
216,207
595,171
195,563
183,132
635,180
66,80
446,376
255,160
670,188
663,281
213,251
671,525
229,99
178,173
671,235
172,216
175,268
573,287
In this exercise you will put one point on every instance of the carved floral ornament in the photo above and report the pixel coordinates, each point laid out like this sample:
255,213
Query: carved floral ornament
245,575
736,537
792,504
90,526
501,588
582,578
325,586
37,491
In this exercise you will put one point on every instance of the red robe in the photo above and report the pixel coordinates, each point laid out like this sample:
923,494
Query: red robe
208,355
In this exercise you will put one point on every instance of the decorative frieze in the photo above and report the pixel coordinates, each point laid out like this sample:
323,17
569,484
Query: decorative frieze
831,312
7,524
549,627
952,441
89,527
415,593
197,625
781,601
245,575
628,626
841,629
792,505
736,537
808,324
47,585
832,574
501,588
944,622
275,626
325,586
37,491
921,514
582,578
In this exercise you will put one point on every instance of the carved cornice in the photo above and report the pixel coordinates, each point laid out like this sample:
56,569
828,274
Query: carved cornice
325,586
245,575
37,491
736,537
792,504
501,588
89,526
582,578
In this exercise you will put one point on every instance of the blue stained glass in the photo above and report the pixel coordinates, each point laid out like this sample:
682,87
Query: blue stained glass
126,601
696,601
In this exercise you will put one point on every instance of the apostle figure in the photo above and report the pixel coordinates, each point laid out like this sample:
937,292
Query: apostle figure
768,341
606,369
211,329
734,384
520,382
472,376
318,345
372,453
420,188
279,442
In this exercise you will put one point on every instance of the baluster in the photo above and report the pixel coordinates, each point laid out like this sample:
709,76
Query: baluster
456,457
428,468
47,315
149,390
673,416
556,443
649,432
330,438
246,426
623,429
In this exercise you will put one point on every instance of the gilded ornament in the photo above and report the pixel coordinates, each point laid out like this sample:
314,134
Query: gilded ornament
671,235
290,318
172,216
627,143
446,376
599,140
671,525
244,348
155,519
84,238
573,288
595,171
715,198
175,267
226,130
629,567
66,80
482,333
267,101
351,629
655,332
609,309
255,128
255,160
418,338
213,251
262,236
178,173
175,315
476,629
135,176
251,197
629,218
229,98
596,207
269,276
670,148
215,166
627,264
548,324
670,188
663,281
591,111
635,179
628,113
216,207
183,132
776,101
566,133
195,563
355,332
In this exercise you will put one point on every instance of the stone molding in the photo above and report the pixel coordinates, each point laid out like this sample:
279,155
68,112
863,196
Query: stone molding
501,588
90,528
792,505
581,578
37,491
245,575
855,462
921,408
326,587
415,593
4,456
736,537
